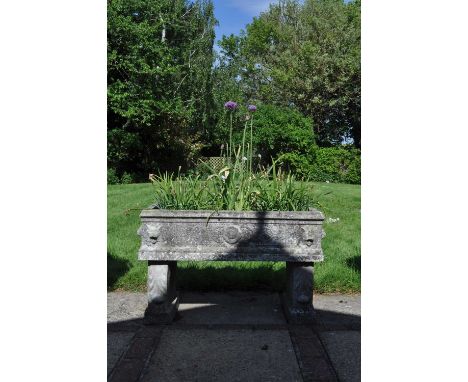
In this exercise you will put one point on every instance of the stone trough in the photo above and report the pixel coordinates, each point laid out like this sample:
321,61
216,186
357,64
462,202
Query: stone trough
169,236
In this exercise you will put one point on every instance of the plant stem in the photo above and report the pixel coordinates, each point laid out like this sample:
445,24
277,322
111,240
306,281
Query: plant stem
230,138
251,143
244,154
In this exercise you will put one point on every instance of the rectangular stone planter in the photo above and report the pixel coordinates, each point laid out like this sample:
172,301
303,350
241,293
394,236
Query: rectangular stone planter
169,236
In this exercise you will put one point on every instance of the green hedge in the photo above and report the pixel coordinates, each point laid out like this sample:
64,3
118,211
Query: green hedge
277,130
336,164
332,164
113,178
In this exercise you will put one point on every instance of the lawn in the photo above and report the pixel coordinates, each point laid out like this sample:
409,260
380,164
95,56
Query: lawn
340,272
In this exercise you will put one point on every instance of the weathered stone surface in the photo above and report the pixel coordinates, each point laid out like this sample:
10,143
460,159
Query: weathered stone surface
338,312
128,370
230,308
163,299
297,299
117,344
161,281
344,350
215,312
311,355
338,303
125,306
162,313
223,355
171,236
140,348
231,235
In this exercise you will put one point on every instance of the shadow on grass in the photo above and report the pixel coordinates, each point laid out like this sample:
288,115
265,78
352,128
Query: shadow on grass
354,263
116,268
217,276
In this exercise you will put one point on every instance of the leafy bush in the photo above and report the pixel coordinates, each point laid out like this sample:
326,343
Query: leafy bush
332,164
296,163
112,177
337,164
280,130
159,87
277,130
126,178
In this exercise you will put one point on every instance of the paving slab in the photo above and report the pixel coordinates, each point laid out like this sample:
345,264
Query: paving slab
344,350
125,306
117,344
223,355
230,308
233,336
338,312
311,355
344,304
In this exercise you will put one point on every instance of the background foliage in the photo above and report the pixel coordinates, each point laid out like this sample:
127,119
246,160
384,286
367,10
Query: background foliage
159,82
337,164
299,62
329,164
301,55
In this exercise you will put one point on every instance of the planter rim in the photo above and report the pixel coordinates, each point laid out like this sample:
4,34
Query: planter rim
312,214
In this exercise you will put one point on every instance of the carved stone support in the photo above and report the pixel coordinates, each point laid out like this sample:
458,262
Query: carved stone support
163,300
297,299
169,236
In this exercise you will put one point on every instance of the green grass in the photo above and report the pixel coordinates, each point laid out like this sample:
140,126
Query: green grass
340,272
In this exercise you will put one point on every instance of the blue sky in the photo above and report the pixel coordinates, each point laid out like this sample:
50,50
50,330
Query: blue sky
233,15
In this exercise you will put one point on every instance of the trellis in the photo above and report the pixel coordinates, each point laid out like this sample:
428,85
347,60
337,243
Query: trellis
218,163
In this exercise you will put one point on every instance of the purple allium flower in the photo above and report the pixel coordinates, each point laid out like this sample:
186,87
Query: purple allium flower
252,108
231,105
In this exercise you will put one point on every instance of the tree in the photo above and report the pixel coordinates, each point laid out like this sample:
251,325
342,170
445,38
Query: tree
306,56
160,54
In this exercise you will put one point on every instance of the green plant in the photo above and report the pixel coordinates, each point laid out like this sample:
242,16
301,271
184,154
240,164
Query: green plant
296,163
279,130
126,178
337,164
112,177
181,192
301,53
235,187
229,189
159,87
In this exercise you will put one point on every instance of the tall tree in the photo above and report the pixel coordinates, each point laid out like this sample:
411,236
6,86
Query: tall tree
160,54
307,56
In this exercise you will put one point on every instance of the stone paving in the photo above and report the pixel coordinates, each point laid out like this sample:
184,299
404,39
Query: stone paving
233,336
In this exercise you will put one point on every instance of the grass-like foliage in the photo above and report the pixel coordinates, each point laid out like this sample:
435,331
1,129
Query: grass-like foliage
236,187
232,190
